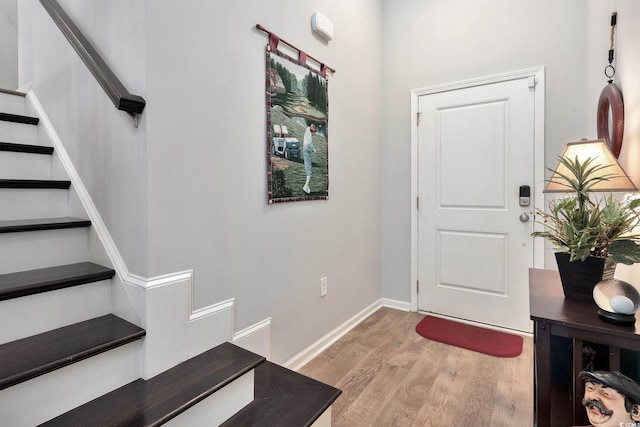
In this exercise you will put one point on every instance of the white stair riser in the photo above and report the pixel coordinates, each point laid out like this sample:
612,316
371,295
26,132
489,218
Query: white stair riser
40,399
12,104
24,165
34,314
220,406
18,133
38,249
32,203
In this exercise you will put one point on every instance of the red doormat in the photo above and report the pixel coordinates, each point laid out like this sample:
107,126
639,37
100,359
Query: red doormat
487,341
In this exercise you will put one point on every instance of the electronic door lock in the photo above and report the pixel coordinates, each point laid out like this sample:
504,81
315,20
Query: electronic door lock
525,195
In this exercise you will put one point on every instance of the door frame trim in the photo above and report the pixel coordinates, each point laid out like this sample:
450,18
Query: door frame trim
537,73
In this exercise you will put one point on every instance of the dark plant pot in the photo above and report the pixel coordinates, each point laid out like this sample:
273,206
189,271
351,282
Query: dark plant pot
579,277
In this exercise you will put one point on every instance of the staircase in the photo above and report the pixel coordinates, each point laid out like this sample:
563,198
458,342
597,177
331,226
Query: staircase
67,360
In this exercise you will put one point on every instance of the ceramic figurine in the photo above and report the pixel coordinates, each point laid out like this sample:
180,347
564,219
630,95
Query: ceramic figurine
611,399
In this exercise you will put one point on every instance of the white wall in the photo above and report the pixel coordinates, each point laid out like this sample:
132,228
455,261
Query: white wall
206,122
9,44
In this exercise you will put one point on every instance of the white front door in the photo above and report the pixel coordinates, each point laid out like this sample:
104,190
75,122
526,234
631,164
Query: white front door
475,150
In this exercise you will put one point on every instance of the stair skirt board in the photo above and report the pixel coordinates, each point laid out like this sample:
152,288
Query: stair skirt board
39,249
50,310
35,401
19,165
18,133
33,203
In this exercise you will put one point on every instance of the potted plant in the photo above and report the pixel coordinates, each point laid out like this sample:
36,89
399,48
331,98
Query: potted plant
589,231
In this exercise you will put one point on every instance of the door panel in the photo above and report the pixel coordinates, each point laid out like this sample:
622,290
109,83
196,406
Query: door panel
483,190
487,266
475,150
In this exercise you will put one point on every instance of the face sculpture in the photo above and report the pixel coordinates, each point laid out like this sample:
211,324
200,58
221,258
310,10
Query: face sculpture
605,402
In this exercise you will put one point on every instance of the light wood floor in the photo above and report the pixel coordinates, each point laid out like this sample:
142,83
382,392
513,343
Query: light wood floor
391,376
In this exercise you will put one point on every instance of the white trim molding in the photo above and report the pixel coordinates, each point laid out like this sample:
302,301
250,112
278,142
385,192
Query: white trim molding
538,76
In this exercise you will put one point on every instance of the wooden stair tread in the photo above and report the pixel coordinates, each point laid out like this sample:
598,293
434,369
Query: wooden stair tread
34,183
25,148
286,396
19,225
19,118
13,92
15,285
161,398
30,357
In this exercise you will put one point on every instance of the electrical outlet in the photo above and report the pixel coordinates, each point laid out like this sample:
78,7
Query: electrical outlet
323,286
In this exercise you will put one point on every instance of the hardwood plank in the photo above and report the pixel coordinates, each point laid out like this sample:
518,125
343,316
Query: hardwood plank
15,285
19,118
367,368
25,148
284,397
514,390
34,183
409,397
30,357
13,92
334,363
21,225
408,380
393,361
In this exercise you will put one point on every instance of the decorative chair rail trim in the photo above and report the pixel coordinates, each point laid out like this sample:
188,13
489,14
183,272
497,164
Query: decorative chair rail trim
120,96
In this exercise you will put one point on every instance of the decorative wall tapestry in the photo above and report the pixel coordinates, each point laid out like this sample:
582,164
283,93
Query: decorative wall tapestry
297,128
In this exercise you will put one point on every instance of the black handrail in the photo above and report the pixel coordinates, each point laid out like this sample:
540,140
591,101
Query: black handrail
120,96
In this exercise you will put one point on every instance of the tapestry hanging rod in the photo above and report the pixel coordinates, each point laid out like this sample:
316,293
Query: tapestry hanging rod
263,29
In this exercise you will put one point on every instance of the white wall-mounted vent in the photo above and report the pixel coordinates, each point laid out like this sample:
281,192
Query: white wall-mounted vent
321,25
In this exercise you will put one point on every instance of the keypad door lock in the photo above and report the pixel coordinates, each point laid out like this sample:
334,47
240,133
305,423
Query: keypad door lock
525,195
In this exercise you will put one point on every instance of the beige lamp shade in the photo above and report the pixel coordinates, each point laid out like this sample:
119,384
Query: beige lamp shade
600,152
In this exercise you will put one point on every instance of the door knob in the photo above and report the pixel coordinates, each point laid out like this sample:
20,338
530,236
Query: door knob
524,217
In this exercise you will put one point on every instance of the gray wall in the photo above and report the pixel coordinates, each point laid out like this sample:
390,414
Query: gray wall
441,41
207,164
9,44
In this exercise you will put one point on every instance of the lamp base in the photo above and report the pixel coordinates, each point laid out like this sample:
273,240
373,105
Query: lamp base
617,318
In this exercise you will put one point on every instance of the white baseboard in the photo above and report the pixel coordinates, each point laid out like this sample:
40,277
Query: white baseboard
302,358
398,305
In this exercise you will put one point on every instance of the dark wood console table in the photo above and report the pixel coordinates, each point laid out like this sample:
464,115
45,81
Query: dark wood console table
555,316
